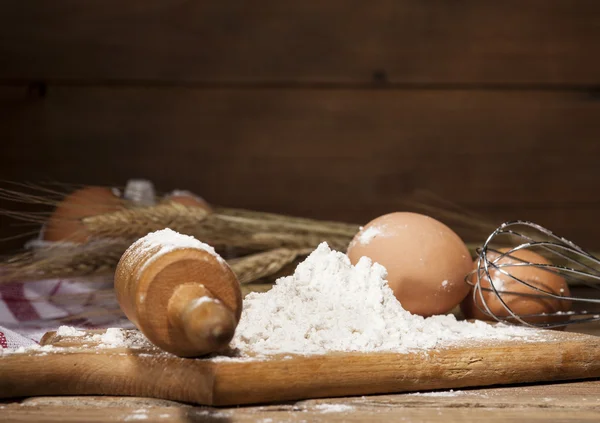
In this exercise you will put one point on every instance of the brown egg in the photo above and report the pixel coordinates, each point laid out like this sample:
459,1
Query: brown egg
65,222
187,198
426,261
518,301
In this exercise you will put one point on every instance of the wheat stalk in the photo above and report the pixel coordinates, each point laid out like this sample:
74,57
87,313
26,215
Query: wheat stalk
257,266
223,227
278,222
271,243
281,238
63,261
101,257
275,242
136,222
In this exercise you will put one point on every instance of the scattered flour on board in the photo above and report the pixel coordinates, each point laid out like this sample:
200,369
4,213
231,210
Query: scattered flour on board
330,305
120,338
69,331
113,337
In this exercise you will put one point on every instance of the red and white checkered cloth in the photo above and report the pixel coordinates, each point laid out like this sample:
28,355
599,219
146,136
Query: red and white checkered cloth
30,309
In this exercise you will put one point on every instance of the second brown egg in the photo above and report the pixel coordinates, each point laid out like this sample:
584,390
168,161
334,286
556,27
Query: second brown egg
512,294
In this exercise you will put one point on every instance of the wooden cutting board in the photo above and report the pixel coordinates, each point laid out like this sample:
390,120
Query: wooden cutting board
78,369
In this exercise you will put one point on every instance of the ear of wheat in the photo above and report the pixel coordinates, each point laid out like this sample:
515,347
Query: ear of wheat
259,246
268,241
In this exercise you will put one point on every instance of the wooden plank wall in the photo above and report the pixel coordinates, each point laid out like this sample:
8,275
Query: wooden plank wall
339,109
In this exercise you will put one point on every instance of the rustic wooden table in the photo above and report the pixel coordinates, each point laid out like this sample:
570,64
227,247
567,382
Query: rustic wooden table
568,402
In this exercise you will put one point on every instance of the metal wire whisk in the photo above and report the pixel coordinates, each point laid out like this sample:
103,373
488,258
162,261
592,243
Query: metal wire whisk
506,252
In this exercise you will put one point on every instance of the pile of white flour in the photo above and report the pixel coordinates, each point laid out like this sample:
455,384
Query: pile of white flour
330,305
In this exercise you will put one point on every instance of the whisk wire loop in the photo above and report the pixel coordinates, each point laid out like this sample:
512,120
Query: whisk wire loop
498,263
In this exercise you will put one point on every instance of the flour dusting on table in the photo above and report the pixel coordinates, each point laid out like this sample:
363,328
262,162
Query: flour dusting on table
450,393
333,408
330,305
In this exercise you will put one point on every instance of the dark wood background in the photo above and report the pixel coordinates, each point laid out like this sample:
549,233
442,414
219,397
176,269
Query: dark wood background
339,110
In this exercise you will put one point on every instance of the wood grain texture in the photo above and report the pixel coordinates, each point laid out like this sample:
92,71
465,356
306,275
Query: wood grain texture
80,370
346,155
562,402
572,402
470,42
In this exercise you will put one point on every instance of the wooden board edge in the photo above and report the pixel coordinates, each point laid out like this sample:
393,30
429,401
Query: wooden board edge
225,382
106,372
452,368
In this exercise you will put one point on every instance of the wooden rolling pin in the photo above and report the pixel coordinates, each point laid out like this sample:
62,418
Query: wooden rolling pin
179,293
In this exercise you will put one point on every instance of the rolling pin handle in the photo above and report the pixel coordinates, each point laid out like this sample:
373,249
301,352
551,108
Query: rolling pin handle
207,323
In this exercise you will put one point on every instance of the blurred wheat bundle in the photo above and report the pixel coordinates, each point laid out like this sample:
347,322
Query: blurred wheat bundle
88,230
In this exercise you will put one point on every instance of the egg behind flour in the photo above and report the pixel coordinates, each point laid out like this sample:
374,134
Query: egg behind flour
426,261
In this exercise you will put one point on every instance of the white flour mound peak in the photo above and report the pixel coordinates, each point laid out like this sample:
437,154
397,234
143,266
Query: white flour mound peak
330,305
